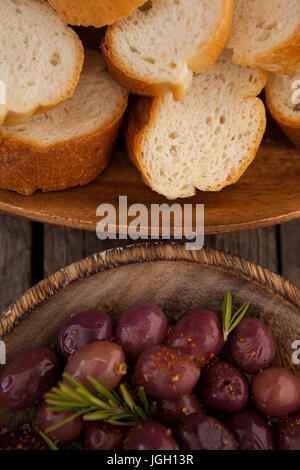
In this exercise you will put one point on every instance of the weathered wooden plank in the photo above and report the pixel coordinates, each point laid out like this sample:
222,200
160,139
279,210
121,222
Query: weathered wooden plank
15,259
290,251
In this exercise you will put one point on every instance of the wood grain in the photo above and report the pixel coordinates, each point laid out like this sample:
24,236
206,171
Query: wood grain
268,194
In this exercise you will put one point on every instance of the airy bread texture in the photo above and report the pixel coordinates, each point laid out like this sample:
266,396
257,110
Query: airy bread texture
95,13
266,34
40,59
283,101
159,46
205,141
69,145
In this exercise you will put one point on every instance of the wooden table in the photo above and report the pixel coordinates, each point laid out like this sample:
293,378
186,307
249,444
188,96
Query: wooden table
32,251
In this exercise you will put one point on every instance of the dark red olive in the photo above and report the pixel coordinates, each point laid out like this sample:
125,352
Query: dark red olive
251,430
102,436
142,326
66,433
289,433
150,436
166,372
22,439
223,387
252,345
84,328
170,412
28,377
198,334
204,433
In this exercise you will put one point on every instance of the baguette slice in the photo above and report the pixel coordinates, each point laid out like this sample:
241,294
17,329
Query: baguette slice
159,46
205,141
69,145
283,101
40,59
95,13
266,34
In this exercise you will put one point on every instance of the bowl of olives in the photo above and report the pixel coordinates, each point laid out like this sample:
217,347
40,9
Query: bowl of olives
153,347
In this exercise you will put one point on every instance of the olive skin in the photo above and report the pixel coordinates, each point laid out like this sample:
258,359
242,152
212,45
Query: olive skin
223,387
150,436
204,433
28,377
252,346
276,392
84,328
198,334
102,360
102,436
166,372
251,430
140,327
288,431
66,433
22,439
170,412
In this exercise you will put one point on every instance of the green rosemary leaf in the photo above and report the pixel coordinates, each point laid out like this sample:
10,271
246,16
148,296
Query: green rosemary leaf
153,408
144,400
140,413
239,319
48,441
102,391
127,398
227,307
65,421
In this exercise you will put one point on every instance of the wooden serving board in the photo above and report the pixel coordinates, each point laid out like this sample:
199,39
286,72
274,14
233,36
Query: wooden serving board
267,194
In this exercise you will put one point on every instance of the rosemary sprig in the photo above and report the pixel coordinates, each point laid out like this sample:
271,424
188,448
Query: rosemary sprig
118,409
48,441
231,321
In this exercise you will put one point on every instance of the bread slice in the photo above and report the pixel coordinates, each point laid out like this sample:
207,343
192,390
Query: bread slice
156,49
40,59
266,34
69,145
205,141
95,13
283,101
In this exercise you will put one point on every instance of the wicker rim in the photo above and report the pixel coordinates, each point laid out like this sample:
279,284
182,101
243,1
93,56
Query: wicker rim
146,252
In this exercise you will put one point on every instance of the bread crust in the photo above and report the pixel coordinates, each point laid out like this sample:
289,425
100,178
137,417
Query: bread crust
26,167
283,59
95,13
142,114
11,118
201,60
291,128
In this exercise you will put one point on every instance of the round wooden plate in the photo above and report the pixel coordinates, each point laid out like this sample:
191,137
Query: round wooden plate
268,194
179,281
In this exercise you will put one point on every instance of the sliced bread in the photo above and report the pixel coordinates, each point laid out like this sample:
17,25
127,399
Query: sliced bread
40,59
205,141
159,46
69,145
266,34
283,101
95,13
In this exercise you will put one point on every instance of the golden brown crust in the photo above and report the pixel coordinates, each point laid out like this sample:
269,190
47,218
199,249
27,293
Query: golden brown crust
95,13
26,167
284,59
290,127
205,56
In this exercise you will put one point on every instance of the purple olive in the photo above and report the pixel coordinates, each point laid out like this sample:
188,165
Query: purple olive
22,439
223,387
102,436
28,377
200,432
198,334
252,346
142,326
276,392
289,433
84,328
166,372
66,433
170,412
150,436
251,430
102,360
